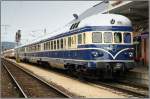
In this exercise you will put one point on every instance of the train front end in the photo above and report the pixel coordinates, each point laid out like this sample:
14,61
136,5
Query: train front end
115,54
111,51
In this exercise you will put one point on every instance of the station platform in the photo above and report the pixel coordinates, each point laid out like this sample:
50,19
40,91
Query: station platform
139,75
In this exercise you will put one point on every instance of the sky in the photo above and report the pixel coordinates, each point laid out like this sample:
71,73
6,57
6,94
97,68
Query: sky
32,17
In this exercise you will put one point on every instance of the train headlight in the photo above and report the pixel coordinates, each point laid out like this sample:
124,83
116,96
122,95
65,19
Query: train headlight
97,54
131,54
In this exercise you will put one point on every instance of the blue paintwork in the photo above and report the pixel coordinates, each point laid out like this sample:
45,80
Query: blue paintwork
86,53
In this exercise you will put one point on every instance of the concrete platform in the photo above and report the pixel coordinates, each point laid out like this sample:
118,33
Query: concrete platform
139,75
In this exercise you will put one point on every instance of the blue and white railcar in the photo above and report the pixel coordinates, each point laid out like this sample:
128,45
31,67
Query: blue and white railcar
102,43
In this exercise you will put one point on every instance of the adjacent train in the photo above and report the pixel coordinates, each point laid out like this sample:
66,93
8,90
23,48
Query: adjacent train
10,53
100,45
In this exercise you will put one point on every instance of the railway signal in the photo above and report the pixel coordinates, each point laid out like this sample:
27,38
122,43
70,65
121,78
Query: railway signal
18,37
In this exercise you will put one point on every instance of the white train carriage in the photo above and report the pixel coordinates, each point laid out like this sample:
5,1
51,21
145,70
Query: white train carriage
102,42
9,53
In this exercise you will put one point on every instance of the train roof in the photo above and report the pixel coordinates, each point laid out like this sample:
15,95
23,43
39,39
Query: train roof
105,20
94,20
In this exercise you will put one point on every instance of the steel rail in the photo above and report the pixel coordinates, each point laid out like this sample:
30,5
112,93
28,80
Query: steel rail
21,90
100,84
38,78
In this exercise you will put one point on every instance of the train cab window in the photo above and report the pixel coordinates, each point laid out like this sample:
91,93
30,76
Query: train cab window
97,37
117,37
127,37
54,44
107,37
69,41
61,43
79,38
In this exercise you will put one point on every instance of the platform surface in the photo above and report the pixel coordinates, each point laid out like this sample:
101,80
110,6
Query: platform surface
139,75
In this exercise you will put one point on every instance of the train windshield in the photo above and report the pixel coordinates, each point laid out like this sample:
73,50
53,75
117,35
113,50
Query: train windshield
97,37
127,37
117,37
108,37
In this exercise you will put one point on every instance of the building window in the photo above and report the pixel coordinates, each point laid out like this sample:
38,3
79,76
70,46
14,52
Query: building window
79,38
108,37
97,37
117,37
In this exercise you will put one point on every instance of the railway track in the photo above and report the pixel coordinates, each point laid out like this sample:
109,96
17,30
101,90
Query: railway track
8,87
120,88
30,85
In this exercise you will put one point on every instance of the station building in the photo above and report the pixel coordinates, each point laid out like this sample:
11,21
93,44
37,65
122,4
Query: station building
138,13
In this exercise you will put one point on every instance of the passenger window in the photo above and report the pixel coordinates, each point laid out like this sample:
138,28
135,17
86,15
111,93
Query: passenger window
69,41
61,43
38,47
117,37
57,44
97,37
79,38
107,37
72,40
54,44
84,38
49,45
64,42
127,37
44,46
